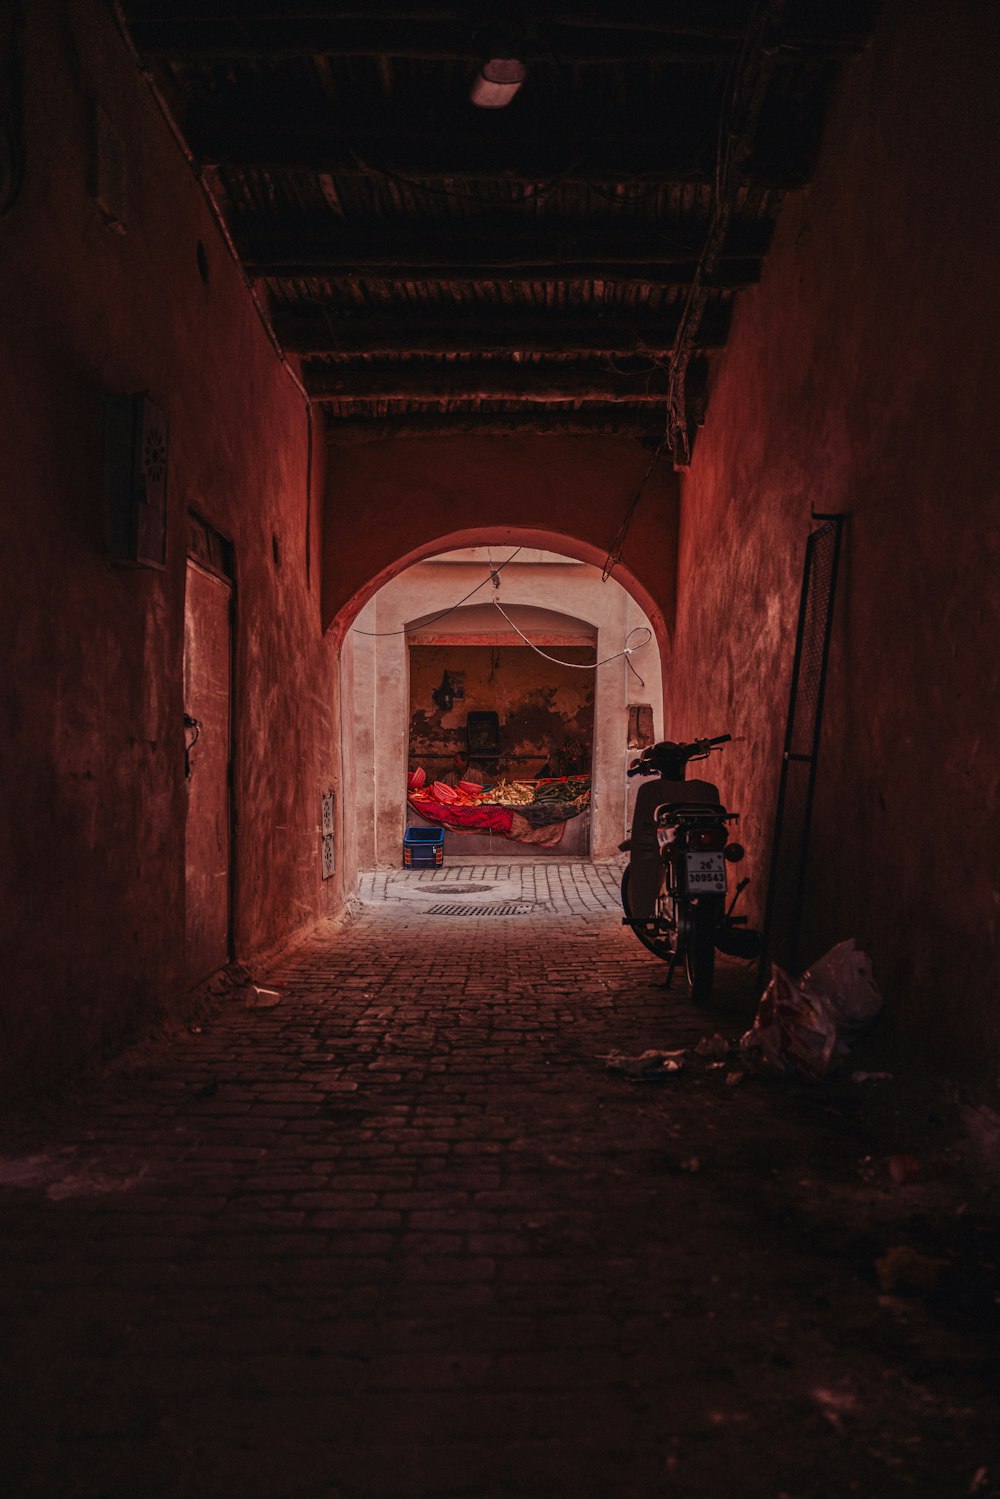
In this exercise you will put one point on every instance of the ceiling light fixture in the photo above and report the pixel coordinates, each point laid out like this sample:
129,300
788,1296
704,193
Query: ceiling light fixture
497,81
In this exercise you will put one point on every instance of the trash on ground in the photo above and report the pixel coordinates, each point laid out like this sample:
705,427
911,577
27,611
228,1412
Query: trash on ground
261,999
733,1079
915,1168
905,1168
651,1066
713,1046
982,1125
905,1269
871,1077
806,1027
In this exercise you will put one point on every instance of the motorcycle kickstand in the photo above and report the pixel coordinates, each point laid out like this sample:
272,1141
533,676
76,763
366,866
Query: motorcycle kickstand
736,895
670,969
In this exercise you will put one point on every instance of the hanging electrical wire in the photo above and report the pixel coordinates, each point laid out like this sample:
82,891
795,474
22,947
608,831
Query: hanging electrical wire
618,545
582,665
744,97
493,574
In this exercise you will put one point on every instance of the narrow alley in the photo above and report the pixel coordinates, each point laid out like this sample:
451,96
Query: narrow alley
429,431
405,1234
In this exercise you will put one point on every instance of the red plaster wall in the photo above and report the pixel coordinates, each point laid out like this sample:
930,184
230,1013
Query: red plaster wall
861,376
92,750
389,504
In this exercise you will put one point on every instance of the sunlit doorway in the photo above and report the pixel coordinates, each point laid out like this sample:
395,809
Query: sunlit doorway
556,610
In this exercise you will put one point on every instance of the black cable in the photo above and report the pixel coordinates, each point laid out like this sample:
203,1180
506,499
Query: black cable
494,572
617,546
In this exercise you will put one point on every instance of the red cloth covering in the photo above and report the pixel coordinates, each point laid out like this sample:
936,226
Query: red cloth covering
474,819
546,836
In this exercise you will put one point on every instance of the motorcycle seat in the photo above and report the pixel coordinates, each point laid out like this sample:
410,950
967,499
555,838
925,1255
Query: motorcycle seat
694,809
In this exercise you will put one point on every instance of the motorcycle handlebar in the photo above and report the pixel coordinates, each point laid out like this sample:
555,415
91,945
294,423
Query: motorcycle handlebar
698,749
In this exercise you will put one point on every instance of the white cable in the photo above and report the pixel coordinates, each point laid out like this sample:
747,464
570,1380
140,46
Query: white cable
576,665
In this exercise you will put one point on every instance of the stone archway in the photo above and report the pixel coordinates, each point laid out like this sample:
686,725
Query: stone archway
390,504
563,605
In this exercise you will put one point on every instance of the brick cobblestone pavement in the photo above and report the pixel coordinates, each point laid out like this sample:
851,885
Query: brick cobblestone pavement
405,1234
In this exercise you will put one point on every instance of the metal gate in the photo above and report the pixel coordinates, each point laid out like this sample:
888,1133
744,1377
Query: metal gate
790,847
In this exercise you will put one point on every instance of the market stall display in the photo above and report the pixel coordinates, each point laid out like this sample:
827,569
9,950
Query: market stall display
526,811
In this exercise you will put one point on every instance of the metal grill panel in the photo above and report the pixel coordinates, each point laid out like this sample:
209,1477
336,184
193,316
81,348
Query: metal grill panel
507,909
816,610
459,889
790,848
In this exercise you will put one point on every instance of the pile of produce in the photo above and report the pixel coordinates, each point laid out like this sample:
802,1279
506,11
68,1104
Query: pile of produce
562,791
509,794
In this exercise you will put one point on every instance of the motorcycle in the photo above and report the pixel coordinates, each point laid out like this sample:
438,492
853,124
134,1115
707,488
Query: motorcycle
674,887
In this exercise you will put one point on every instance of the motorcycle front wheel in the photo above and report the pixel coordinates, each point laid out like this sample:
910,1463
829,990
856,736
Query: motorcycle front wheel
699,951
660,946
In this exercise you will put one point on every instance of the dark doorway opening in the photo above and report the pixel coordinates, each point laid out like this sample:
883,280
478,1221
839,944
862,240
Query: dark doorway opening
543,712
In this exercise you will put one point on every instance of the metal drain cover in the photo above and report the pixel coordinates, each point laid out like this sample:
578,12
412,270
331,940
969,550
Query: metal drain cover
458,889
509,908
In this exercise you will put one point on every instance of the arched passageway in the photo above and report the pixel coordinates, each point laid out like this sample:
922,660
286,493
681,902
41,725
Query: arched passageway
444,611
391,504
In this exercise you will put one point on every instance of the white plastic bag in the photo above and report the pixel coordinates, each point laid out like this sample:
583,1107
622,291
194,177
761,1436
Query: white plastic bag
806,1027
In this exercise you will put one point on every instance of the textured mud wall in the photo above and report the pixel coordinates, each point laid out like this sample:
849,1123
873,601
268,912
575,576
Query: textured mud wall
861,376
542,707
92,750
393,503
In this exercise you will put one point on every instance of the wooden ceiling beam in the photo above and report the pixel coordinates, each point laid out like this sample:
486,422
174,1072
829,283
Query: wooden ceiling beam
729,276
492,249
525,160
645,422
218,38
485,380
627,15
319,331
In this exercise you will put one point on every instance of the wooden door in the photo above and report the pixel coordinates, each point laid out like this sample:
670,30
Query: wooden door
207,670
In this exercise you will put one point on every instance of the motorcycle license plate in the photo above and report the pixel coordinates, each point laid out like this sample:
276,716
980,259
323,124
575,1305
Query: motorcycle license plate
706,874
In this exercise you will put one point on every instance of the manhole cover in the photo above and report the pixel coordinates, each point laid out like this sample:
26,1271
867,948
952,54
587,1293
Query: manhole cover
507,909
459,889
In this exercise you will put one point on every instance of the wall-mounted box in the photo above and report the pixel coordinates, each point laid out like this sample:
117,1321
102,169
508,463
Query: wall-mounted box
136,438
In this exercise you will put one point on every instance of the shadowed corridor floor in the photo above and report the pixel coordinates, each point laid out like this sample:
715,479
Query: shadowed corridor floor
404,1234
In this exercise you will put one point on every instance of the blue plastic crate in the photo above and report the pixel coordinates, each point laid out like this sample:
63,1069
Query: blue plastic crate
423,848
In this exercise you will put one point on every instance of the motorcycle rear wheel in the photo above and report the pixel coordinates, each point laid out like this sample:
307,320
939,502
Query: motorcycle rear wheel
660,946
699,952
